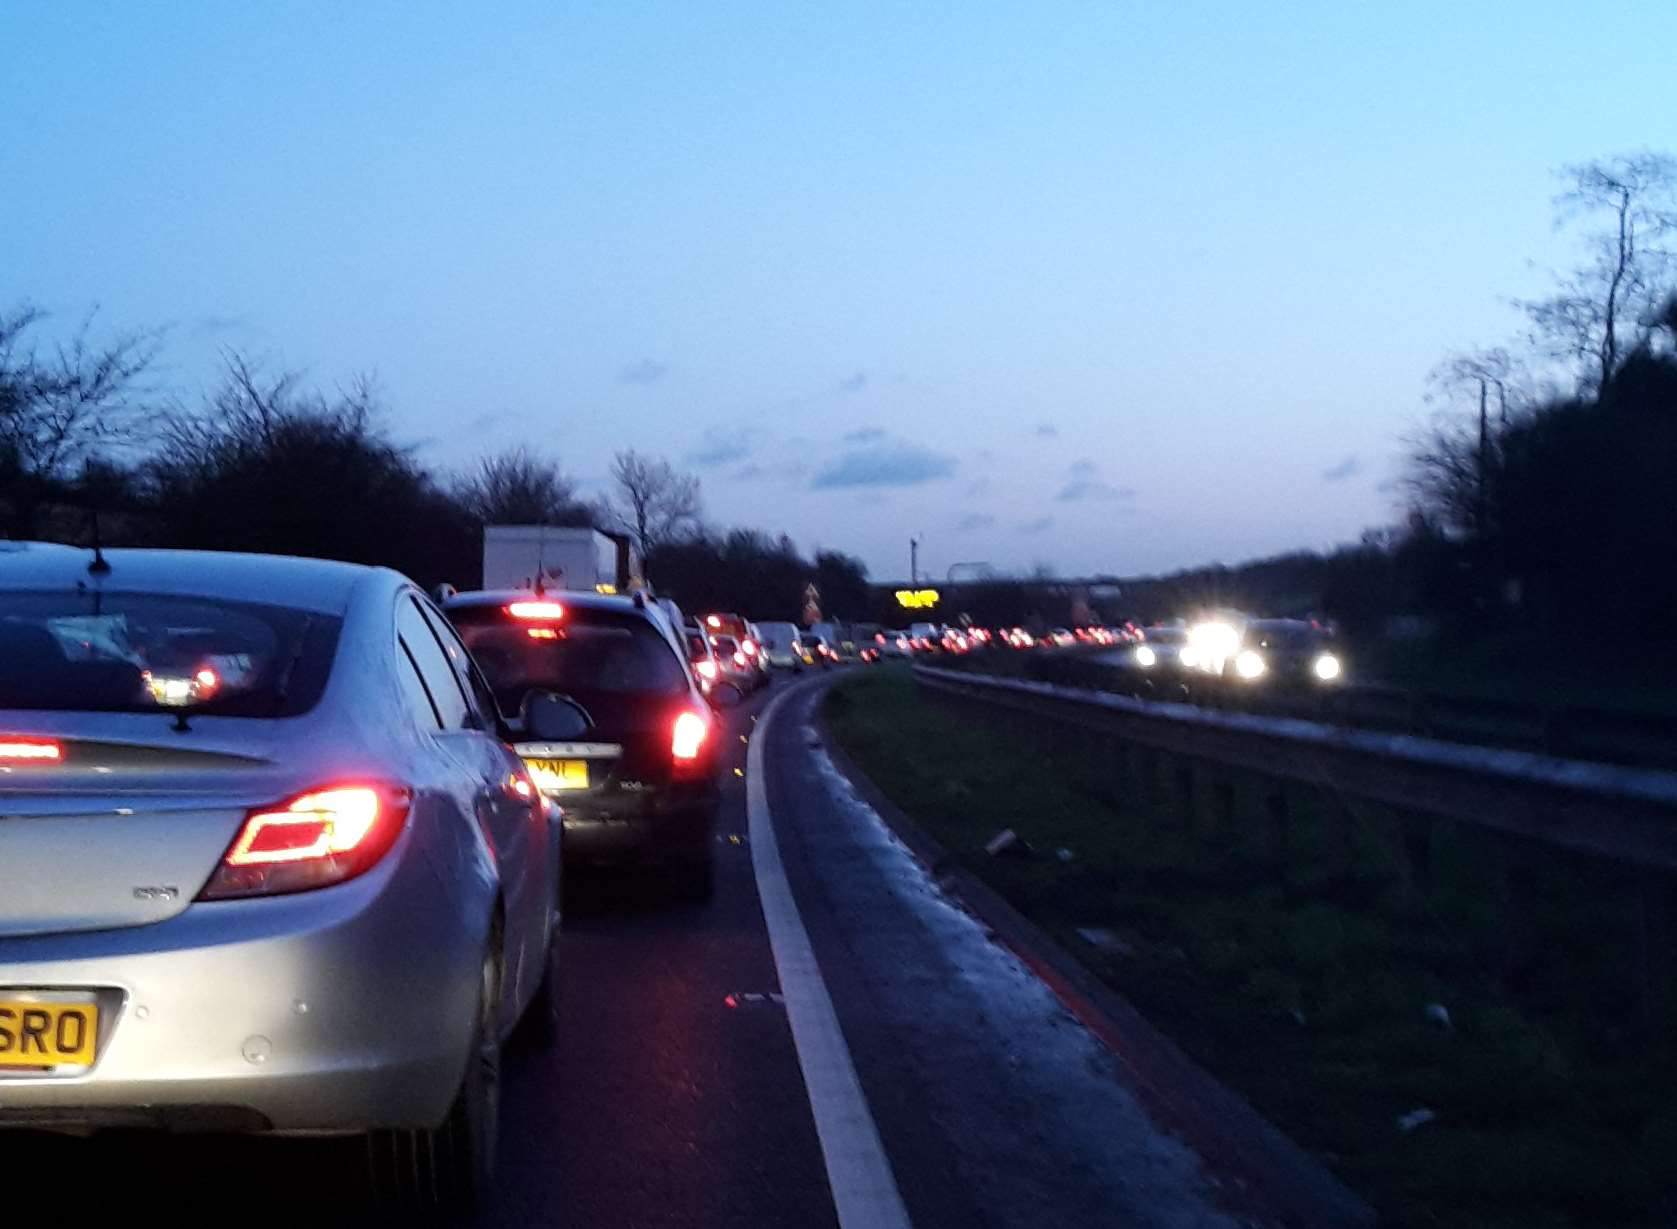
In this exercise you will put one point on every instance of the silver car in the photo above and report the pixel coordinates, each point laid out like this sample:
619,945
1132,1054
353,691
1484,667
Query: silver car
266,862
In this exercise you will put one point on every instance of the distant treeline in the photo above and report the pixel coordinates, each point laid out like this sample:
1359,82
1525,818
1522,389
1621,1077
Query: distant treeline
264,464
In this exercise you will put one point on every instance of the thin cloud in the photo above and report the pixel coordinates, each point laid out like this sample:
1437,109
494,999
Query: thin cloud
1347,468
1094,489
720,448
1084,468
749,473
864,435
979,486
975,521
855,383
643,371
1042,524
885,464
1047,431
483,423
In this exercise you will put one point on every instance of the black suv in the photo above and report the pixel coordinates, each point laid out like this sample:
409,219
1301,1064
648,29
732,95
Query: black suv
636,777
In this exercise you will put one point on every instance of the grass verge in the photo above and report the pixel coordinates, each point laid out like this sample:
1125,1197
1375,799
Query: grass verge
1303,976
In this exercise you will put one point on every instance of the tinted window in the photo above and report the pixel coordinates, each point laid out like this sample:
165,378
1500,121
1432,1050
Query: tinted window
134,652
434,667
581,656
464,667
415,692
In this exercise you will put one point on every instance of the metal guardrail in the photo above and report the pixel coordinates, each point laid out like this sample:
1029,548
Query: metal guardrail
1628,815
1520,799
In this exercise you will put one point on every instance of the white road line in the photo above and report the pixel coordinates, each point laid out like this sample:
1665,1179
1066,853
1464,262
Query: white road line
858,1172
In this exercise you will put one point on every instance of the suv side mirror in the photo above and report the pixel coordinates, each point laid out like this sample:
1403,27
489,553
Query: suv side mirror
551,717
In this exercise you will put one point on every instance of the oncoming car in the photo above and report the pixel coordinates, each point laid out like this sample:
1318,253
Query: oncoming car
636,779
232,788
1285,652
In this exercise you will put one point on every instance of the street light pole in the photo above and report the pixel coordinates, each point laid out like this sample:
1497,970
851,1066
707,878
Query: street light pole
914,563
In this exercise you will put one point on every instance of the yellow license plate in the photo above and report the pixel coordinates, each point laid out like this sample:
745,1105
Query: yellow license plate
35,1034
551,775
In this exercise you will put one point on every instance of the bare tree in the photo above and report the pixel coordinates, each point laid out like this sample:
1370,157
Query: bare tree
518,487
63,406
1605,308
653,502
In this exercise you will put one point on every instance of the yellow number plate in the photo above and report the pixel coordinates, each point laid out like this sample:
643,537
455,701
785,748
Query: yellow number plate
554,775
34,1034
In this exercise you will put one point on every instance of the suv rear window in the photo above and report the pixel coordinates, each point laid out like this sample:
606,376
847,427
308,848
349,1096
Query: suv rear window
584,654
146,652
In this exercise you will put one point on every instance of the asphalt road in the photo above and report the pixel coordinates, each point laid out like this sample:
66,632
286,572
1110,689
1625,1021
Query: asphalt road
677,1095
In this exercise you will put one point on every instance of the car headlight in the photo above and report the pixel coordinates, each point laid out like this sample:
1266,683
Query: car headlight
1248,664
1146,657
1189,656
1327,668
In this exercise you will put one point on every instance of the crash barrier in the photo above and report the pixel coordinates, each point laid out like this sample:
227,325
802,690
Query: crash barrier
1620,816
1577,731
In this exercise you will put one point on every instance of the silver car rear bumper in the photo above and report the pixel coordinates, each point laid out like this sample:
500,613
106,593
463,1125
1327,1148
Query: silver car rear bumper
327,1011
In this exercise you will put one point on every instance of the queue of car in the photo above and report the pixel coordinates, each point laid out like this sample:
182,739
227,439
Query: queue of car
231,786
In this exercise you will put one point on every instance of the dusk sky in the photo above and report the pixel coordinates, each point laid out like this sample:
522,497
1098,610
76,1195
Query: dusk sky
1110,287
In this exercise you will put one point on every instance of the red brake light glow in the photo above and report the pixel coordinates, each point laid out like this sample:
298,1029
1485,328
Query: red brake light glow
30,750
541,610
687,737
714,620
749,647
739,659
706,669
314,840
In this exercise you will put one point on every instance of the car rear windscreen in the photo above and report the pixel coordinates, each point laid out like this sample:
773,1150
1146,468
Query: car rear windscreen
147,652
577,656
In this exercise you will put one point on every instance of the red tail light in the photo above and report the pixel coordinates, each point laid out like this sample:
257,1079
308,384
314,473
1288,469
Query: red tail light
545,611
739,660
14,750
314,840
706,669
749,648
688,736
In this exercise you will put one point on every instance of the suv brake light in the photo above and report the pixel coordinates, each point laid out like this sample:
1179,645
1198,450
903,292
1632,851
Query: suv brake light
688,736
315,840
542,610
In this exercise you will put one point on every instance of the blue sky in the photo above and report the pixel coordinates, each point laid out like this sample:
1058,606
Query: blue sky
1106,286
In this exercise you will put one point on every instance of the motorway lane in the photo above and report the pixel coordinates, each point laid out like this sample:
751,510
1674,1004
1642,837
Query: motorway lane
662,1105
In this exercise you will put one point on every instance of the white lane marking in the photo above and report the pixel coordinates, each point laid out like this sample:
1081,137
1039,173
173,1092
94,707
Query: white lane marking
858,1172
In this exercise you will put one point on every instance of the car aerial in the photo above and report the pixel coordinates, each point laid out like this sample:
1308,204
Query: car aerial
637,779
779,643
232,787
1285,653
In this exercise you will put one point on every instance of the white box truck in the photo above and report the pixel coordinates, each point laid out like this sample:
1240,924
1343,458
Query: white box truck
518,556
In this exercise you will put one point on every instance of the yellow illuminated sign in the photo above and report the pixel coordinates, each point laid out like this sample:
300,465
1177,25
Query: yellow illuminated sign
917,599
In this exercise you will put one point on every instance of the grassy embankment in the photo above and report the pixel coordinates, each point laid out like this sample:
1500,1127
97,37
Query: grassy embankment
1303,978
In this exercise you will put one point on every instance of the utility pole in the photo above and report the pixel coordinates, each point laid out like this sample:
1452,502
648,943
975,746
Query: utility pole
914,563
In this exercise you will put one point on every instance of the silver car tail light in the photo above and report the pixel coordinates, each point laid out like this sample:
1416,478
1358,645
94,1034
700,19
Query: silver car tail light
313,840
